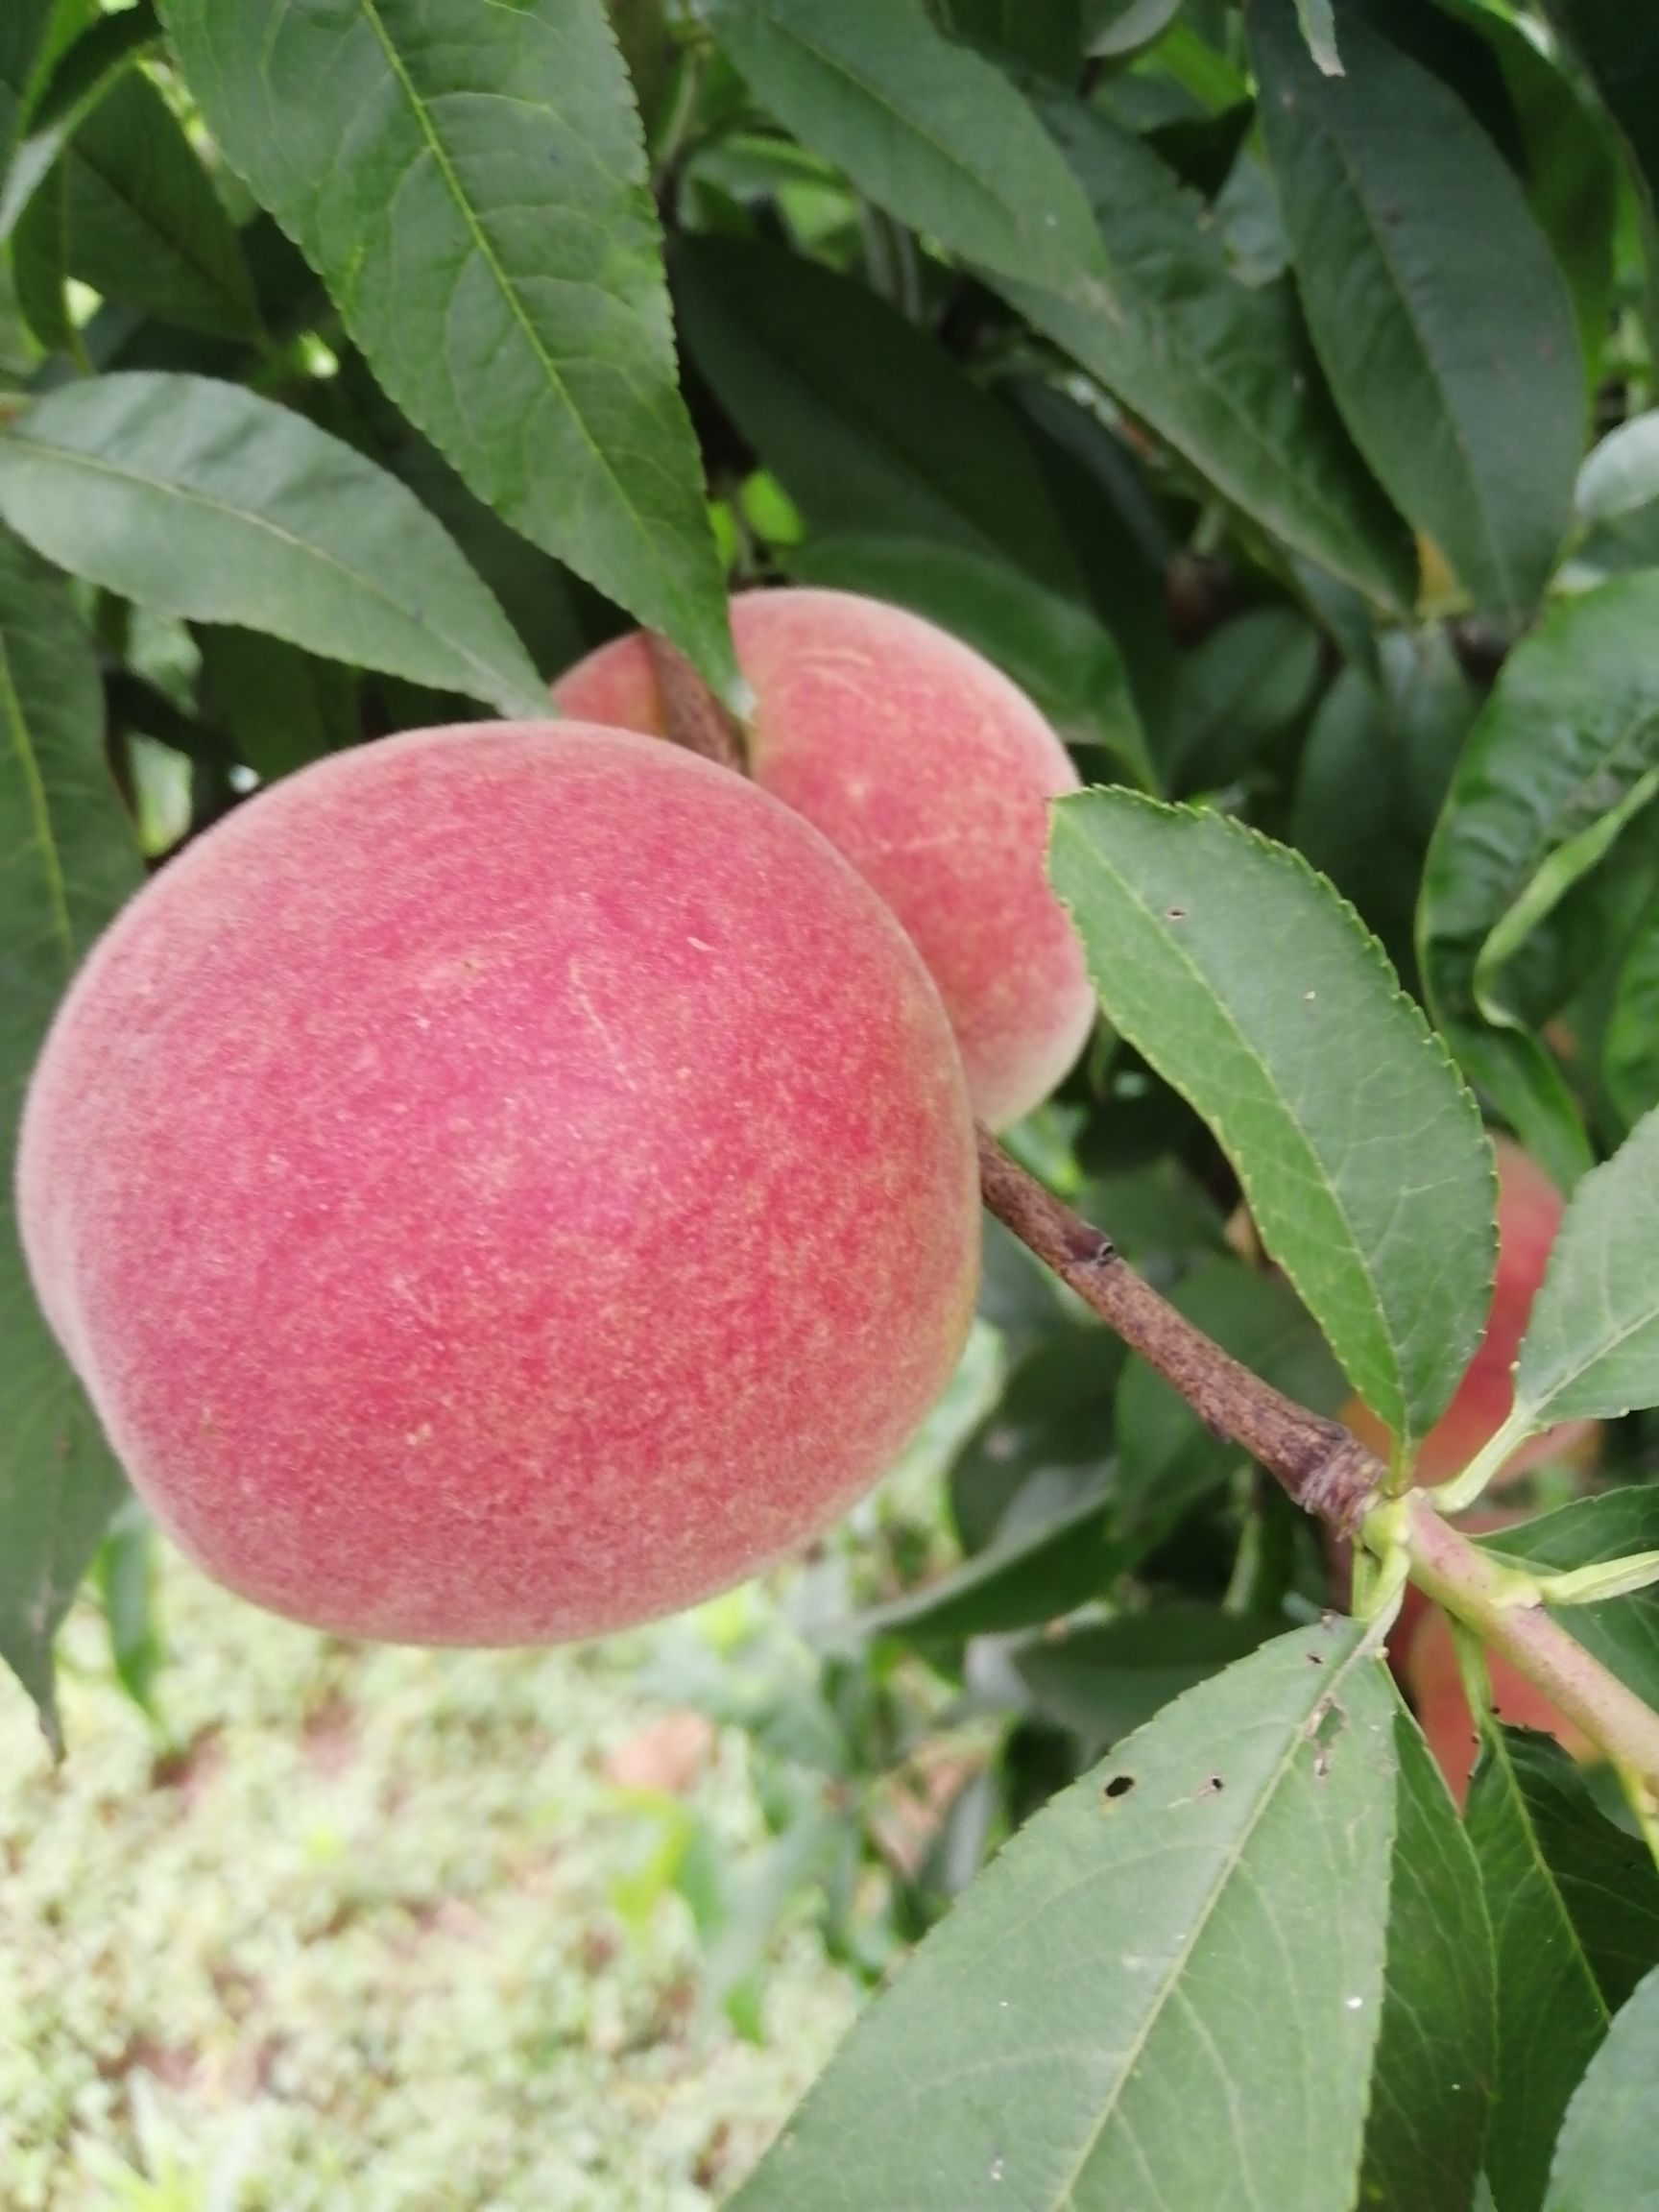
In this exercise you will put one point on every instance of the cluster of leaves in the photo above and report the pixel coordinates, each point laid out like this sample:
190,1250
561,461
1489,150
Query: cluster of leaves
1265,391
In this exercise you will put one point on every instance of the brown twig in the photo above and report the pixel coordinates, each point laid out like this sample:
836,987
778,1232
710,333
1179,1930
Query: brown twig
691,714
1326,1470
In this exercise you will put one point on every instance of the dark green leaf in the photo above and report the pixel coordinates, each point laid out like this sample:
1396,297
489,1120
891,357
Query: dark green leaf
1221,369
280,706
1605,2154
1052,645
1041,1563
871,427
1591,1351
1374,775
1574,1907
69,863
1431,2089
1565,752
1253,991
924,127
1440,315
126,1578
1041,34
1244,685
1053,1417
1105,1681
1164,1991
88,71
1619,48
1630,1042
145,225
1622,1632
472,184
199,499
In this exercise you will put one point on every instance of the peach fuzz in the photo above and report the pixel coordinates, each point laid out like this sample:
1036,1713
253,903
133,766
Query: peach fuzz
932,773
1529,1211
502,1183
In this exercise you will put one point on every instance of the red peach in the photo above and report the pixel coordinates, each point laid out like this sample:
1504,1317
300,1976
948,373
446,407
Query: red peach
502,1183
1429,1667
1529,1211
934,773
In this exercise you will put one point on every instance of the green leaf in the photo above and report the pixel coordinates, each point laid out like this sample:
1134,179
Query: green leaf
1235,692
1041,34
281,707
1219,368
69,863
1053,1417
1426,2127
1052,646
1591,1351
868,425
1440,315
1623,472
1104,1682
1606,2153
1252,988
1574,1907
1630,1041
1320,35
144,224
1164,1991
1622,1632
924,127
89,70
1113,27
1041,1563
200,500
472,184
1374,774
1168,1457
1567,744
1617,46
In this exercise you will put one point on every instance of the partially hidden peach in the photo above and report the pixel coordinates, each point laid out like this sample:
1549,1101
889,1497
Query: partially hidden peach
502,1183
1529,1211
1430,1669
933,774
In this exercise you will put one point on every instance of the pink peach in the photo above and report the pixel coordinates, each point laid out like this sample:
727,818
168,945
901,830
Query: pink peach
932,773
502,1183
1430,1667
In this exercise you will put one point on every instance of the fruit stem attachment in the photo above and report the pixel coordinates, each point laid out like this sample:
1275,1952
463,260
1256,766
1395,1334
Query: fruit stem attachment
691,714
1325,1469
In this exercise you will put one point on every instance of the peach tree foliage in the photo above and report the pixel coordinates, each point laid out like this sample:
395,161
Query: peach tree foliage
1266,390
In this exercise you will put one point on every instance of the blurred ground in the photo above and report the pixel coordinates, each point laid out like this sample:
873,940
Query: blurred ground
348,1935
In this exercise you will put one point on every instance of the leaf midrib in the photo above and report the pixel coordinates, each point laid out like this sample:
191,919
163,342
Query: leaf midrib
1169,1986
100,465
421,111
1230,1023
39,811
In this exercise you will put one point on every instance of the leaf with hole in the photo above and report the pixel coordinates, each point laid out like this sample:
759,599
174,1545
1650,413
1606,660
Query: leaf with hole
1162,1990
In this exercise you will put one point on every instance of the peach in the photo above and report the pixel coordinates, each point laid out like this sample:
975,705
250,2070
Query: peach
1529,1211
1429,1667
502,1183
933,773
